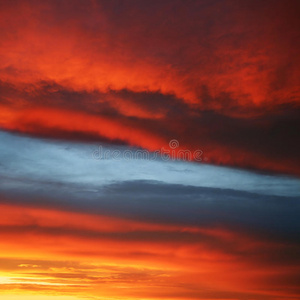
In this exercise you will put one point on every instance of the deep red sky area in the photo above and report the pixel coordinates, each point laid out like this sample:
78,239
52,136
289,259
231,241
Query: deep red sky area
220,76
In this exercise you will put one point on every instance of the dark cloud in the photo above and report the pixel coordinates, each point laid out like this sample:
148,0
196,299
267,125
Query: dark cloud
272,217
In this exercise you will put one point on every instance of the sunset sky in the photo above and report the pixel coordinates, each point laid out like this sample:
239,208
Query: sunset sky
149,149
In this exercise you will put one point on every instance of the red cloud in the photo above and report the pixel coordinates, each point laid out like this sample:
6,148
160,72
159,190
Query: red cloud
226,58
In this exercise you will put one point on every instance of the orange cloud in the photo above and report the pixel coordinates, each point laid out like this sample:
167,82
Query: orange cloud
46,249
29,120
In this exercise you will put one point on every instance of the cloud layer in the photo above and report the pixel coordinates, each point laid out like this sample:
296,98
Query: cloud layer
221,76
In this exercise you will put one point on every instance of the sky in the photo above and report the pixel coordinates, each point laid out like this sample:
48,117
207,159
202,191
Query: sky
149,149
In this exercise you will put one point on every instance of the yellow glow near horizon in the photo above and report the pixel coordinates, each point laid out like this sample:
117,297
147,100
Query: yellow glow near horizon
31,296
